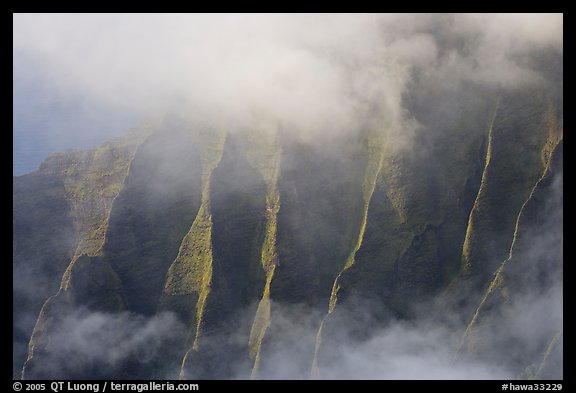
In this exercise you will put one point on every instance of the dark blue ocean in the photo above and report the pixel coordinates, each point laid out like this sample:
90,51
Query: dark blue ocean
48,119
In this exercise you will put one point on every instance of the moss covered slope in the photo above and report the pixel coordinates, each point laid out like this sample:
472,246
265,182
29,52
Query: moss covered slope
86,183
531,273
234,229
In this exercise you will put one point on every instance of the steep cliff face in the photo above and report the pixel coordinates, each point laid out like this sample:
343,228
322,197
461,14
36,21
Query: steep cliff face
226,251
43,244
530,274
60,213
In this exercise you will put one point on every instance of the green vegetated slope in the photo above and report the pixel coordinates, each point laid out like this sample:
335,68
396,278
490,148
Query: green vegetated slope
239,216
60,213
189,278
160,199
416,205
264,155
314,226
445,224
92,179
530,274
519,128
151,189
235,231
227,260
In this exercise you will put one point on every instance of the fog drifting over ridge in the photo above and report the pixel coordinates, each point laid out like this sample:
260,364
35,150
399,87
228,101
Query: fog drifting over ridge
318,75
313,71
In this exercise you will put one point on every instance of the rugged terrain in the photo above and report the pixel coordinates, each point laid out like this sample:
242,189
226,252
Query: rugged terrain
215,232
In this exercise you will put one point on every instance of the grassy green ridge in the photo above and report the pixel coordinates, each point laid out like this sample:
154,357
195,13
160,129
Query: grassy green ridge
314,230
418,213
160,199
264,155
243,227
133,251
398,227
518,129
319,219
463,272
260,325
92,180
191,271
466,259
416,218
521,270
500,289
308,240
53,309
240,234
375,150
